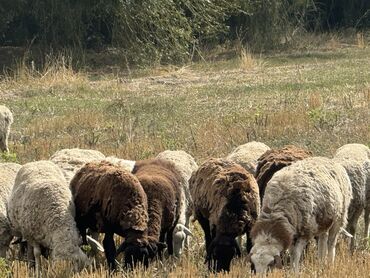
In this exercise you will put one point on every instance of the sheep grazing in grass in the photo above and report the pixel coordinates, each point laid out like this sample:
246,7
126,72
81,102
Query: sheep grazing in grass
8,172
41,211
226,205
246,155
71,160
274,160
6,120
162,183
110,200
306,199
186,165
355,158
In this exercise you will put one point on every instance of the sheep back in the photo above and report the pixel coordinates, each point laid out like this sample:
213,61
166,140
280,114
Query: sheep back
226,194
274,160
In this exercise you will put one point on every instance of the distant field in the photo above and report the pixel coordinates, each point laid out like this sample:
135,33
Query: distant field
317,99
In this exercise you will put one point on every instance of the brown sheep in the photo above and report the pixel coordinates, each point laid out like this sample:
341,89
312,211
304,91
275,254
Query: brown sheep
226,204
274,160
162,184
110,200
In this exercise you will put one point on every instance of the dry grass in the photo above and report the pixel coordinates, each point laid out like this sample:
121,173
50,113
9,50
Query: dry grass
317,98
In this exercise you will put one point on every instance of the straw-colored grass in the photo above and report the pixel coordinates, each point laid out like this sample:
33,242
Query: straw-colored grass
319,99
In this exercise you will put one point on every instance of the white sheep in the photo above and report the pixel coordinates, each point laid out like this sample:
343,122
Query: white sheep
128,165
306,199
247,155
6,120
186,165
8,172
71,160
41,211
356,160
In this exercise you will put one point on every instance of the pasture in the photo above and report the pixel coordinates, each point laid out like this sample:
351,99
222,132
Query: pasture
318,98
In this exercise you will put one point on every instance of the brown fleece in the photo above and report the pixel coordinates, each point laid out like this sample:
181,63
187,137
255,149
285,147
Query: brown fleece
274,160
162,185
110,199
227,195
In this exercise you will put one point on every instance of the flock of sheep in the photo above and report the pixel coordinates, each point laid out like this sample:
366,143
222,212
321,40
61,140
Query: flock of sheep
279,198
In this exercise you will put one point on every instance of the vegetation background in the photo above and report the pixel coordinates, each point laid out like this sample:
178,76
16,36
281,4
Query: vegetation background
133,78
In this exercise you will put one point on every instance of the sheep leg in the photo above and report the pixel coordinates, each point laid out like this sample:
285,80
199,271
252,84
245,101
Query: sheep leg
204,223
322,246
249,243
110,250
366,219
351,228
169,241
3,145
37,255
297,253
332,241
30,255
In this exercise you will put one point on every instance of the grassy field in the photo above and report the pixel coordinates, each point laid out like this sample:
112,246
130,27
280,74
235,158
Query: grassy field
318,98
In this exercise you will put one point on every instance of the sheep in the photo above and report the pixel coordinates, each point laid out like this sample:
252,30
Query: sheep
306,199
110,200
6,120
186,165
8,172
246,155
274,160
355,158
128,165
41,211
162,183
226,205
71,160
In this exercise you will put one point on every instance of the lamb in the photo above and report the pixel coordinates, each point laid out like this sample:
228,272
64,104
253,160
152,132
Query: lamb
186,165
226,205
274,160
246,155
6,120
8,172
71,160
355,158
162,183
306,199
110,200
41,211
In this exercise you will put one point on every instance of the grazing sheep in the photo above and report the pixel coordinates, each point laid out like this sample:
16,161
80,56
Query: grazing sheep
162,184
71,160
306,199
110,200
355,158
246,155
8,172
128,165
41,211
6,120
274,160
226,205
186,165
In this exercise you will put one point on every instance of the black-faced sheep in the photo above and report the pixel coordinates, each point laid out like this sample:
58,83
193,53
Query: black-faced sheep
6,120
71,160
306,199
110,200
162,184
355,158
274,160
186,165
8,172
246,155
41,211
226,205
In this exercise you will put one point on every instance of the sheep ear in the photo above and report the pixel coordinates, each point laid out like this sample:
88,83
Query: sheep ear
94,244
187,231
278,262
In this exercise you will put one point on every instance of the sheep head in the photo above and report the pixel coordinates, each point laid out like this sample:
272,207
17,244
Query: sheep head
179,236
220,253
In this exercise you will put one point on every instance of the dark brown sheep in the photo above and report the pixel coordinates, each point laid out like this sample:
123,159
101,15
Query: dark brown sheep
110,200
162,185
226,204
274,160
